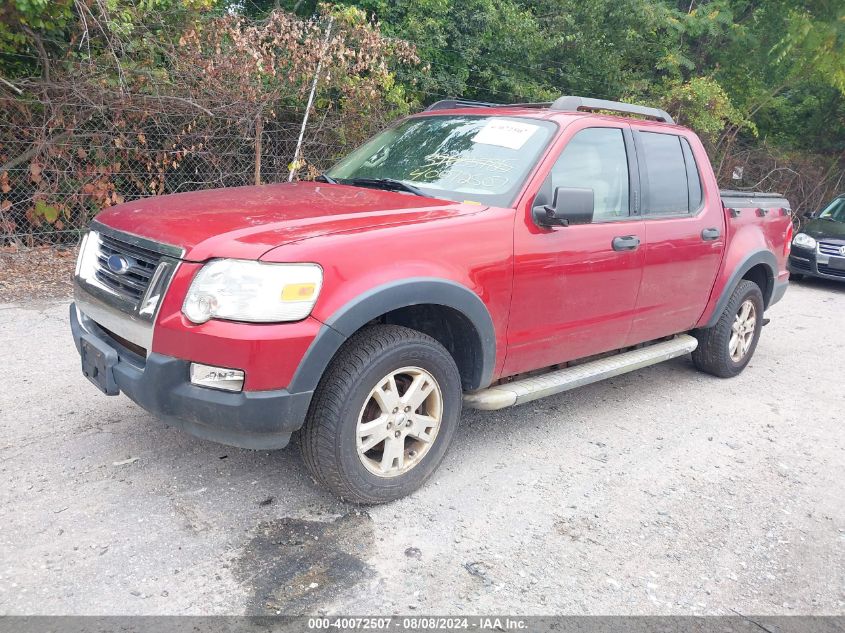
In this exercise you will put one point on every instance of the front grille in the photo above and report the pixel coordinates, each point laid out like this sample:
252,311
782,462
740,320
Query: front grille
801,264
830,248
834,272
134,282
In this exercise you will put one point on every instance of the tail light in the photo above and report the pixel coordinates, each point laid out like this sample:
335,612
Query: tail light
787,246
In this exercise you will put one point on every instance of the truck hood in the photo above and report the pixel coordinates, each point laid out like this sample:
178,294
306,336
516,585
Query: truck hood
821,229
246,222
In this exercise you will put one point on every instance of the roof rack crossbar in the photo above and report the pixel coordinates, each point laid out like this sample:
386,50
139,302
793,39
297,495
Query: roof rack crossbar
574,104
531,104
450,104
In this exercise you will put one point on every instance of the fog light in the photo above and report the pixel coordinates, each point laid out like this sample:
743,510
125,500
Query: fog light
217,377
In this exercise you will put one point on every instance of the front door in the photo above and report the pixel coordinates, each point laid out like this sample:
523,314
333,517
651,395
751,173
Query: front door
575,287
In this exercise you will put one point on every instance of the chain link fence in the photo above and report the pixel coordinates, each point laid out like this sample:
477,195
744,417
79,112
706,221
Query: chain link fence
60,169
217,102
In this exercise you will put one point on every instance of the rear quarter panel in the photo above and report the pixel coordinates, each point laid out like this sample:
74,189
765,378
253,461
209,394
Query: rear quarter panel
748,232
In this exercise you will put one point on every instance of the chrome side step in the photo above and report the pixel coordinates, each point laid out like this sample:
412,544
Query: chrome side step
535,387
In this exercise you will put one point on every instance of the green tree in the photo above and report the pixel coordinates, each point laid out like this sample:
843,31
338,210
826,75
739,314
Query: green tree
28,30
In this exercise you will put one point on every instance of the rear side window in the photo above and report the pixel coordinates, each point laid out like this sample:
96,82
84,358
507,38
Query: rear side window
692,176
673,182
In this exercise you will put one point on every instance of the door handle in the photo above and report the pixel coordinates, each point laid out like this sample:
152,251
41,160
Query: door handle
710,234
626,243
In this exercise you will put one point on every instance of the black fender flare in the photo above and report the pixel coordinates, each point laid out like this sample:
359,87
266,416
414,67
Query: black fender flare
768,259
393,296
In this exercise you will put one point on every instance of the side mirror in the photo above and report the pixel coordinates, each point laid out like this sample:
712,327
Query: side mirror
571,205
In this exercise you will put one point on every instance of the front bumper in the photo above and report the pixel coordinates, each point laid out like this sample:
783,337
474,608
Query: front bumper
160,384
806,262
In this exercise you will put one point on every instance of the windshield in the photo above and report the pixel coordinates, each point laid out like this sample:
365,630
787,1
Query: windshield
835,210
462,158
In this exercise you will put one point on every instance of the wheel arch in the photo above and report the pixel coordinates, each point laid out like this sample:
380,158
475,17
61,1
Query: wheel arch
759,267
449,312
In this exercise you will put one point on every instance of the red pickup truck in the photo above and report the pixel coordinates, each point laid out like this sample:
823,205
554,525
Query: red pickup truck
470,254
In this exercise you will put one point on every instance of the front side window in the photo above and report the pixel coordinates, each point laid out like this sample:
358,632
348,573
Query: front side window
595,158
674,186
462,158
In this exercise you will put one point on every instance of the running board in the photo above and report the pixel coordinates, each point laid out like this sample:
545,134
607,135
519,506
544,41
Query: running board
528,389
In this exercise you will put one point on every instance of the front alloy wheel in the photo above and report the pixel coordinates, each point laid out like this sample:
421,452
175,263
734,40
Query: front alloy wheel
383,414
399,422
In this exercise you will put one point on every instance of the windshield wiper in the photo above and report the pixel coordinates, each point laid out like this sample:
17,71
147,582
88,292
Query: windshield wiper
326,179
385,183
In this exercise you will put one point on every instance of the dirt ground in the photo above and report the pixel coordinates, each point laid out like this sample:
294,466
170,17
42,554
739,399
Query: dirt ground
660,492
36,273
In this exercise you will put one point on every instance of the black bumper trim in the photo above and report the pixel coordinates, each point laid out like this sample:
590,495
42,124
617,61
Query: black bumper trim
809,267
250,419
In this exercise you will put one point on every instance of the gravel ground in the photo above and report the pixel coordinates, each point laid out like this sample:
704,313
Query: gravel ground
660,492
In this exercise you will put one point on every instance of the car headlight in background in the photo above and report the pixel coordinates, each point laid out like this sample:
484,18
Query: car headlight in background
802,240
258,292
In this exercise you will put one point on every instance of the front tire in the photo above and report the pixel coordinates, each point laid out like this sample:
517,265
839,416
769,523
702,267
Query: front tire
795,276
726,348
383,415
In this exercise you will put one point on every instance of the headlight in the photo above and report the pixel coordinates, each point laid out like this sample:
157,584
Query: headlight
240,290
802,240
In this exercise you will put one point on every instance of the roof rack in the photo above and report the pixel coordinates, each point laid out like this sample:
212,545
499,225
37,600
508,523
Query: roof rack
566,103
575,104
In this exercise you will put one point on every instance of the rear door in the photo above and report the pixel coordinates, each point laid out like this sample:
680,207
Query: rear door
684,231
574,292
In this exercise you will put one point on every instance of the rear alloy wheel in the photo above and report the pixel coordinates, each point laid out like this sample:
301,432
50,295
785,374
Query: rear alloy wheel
726,348
383,415
742,331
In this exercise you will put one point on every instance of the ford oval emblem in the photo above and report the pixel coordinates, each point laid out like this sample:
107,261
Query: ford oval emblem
119,264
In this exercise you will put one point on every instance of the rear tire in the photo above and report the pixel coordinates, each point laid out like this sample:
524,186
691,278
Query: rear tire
726,348
383,415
